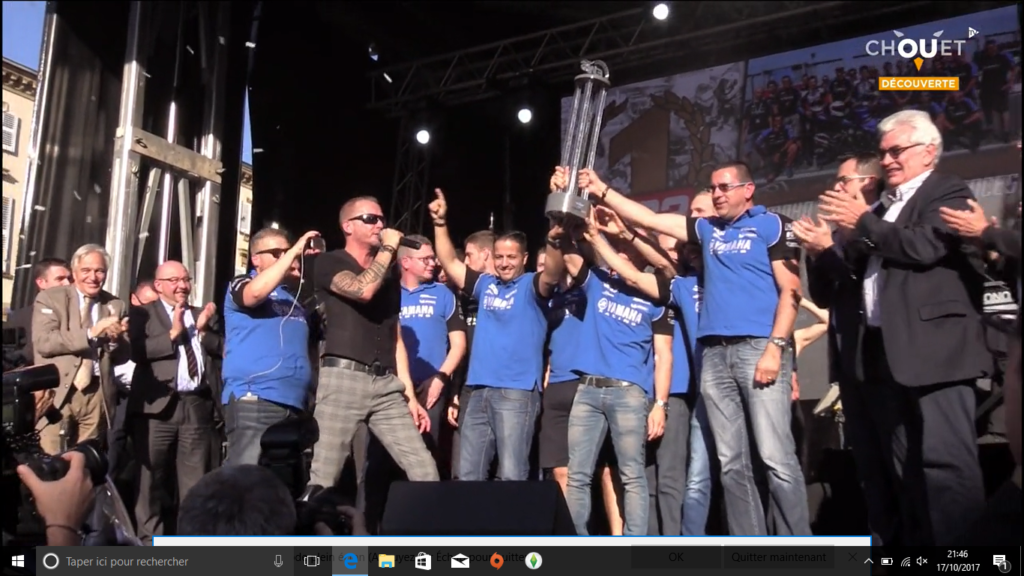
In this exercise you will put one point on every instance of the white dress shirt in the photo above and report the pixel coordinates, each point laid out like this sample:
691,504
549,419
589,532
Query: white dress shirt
186,383
874,275
94,312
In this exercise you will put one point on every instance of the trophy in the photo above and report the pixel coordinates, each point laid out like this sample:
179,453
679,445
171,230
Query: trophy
581,139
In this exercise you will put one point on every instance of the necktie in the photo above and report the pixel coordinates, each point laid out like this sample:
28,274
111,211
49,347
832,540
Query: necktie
190,355
84,375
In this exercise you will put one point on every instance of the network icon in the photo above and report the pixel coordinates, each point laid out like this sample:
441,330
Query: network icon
906,562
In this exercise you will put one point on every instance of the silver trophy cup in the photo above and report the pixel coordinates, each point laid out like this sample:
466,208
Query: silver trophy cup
581,139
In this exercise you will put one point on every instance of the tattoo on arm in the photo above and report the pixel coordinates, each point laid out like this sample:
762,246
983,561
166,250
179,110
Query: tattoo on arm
350,285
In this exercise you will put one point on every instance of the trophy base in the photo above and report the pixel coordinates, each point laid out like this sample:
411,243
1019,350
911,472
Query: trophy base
561,205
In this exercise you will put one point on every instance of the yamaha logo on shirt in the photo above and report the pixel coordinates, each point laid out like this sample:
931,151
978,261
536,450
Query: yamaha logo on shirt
740,245
423,309
493,301
624,313
698,297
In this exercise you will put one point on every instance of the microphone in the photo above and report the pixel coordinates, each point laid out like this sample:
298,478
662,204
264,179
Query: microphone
407,243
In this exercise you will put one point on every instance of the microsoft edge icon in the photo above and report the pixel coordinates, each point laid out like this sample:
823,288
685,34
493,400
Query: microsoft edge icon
350,560
533,561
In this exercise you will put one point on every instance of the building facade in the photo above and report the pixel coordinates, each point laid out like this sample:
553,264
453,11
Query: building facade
20,84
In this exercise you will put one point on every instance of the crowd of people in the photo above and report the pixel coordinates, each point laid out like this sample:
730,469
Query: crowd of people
652,352
809,122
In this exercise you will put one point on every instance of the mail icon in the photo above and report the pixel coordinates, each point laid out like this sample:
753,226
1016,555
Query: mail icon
386,561
460,561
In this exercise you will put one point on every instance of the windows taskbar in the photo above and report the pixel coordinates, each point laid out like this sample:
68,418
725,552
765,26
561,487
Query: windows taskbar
470,560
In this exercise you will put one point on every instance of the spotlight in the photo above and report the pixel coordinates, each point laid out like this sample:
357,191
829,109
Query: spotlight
525,115
275,225
423,136
660,11
373,52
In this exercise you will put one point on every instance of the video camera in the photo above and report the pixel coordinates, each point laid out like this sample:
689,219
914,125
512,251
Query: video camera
20,442
285,450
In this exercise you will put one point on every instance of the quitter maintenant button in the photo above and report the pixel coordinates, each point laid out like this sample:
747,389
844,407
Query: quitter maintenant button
911,83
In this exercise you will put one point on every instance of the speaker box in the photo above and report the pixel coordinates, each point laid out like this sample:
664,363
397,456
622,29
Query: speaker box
477,509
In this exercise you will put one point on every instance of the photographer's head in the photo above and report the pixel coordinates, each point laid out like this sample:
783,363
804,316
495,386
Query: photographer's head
243,500
50,272
89,267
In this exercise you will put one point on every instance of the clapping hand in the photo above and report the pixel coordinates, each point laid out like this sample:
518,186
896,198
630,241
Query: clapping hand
842,209
815,236
203,321
968,223
177,320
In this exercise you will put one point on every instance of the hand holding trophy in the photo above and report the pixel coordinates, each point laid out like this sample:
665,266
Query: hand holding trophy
567,201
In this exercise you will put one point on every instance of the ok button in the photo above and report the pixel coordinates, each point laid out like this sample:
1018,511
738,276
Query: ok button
676,557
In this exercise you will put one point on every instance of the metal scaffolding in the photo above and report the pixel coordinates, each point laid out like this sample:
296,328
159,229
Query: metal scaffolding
622,40
186,179
411,191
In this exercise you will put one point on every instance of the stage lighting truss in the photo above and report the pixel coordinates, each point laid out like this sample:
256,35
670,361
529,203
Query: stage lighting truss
622,40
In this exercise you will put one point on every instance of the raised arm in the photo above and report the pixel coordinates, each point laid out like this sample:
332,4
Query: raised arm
362,287
642,281
454,268
610,223
251,292
674,225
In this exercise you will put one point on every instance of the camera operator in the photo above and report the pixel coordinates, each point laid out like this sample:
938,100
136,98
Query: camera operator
248,500
49,272
62,504
364,368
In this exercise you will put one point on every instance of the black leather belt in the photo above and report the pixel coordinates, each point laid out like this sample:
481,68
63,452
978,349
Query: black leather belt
602,382
709,341
375,369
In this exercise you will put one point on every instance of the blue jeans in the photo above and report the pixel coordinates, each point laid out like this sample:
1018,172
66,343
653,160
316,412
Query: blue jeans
622,411
502,421
245,421
731,397
697,496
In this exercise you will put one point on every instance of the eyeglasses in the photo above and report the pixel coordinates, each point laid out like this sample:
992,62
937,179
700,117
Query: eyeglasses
185,280
275,252
896,151
369,219
844,180
426,260
727,187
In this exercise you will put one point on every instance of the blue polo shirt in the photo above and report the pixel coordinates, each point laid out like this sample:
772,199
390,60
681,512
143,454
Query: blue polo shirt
266,348
741,295
617,336
565,321
686,299
511,325
428,314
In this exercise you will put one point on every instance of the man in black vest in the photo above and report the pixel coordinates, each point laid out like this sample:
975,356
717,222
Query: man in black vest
364,370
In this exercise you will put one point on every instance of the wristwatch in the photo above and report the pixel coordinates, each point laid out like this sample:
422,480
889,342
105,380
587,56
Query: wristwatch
663,404
782,343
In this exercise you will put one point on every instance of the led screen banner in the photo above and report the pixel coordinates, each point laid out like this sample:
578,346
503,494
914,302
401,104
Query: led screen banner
805,109
661,138
791,116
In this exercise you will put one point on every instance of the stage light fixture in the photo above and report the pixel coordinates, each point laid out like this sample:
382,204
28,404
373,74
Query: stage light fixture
660,11
525,115
373,52
275,225
423,137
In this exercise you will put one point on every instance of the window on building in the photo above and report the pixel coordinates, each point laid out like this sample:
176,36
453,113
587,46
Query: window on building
8,225
11,125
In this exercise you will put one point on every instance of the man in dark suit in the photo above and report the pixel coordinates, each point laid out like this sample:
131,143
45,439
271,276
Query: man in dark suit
923,346
170,404
835,264
49,272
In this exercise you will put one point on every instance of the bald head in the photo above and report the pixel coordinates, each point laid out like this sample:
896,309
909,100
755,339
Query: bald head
357,206
173,283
